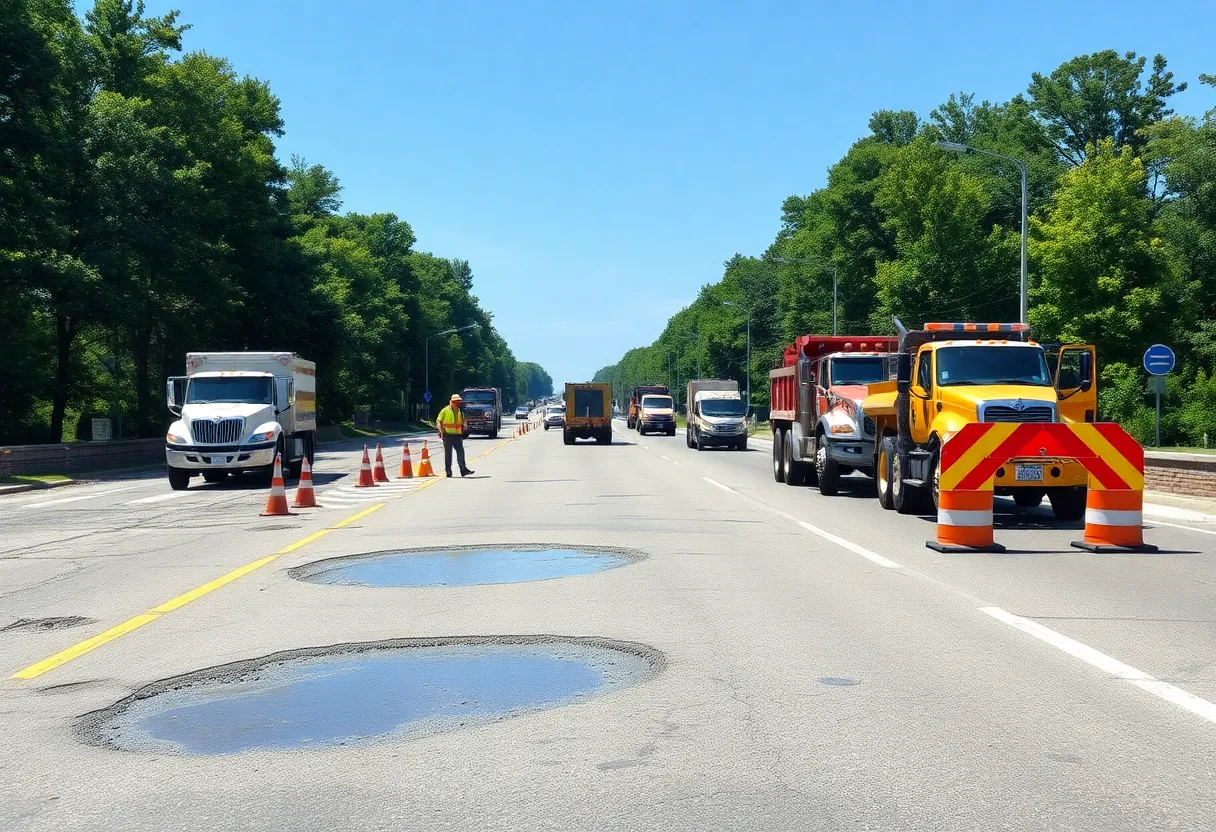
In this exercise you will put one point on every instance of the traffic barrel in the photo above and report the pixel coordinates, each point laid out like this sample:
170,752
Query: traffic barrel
407,466
378,472
276,503
1114,521
424,464
365,472
964,523
306,497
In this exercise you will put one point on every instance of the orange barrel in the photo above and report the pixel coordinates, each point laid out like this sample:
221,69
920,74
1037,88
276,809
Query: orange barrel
1114,522
964,523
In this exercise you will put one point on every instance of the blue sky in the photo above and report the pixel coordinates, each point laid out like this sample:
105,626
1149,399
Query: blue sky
597,162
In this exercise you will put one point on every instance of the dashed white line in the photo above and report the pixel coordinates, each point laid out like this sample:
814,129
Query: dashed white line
886,563
94,495
157,498
717,484
1154,522
1107,664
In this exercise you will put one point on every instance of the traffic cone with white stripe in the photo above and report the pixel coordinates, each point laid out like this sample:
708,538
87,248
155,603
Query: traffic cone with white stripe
305,496
424,465
1114,522
407,466
365,472
378,472
964,522
276,503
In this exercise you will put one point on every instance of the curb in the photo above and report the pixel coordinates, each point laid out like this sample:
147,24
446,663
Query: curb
1200,504
33,486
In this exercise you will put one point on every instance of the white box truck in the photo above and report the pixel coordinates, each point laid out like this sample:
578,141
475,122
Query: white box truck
716,415
236,410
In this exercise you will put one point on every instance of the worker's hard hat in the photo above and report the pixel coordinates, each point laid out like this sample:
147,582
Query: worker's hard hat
456,397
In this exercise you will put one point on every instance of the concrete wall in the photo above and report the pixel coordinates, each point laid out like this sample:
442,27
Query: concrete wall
1192,475
75,457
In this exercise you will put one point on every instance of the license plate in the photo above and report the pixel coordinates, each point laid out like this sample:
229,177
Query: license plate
1033,473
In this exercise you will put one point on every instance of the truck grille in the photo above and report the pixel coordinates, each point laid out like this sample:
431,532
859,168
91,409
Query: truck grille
1001,413
868,426
223,432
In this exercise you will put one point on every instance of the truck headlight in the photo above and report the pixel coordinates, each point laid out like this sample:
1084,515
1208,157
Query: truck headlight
841,428
174,439
262,437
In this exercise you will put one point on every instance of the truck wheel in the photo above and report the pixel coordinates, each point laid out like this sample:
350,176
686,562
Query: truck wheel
907,499
779,455
604,437
795,471
1068,502
546,426
494,433
826,470
882,471
671,432
741,445
179,478
213,477
688,436
567,437
696,441
1028,497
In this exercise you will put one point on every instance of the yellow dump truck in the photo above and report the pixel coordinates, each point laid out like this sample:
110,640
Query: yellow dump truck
952,374
588,413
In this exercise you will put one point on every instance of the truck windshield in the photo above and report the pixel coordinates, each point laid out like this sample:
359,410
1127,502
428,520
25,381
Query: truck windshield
868,370
229,389
723,407
656,402
479,396
992,365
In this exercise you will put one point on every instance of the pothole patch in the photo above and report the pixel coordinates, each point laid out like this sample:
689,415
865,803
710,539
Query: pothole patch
365,693
62,622
464,565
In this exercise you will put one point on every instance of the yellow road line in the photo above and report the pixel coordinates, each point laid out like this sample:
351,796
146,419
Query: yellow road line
131,624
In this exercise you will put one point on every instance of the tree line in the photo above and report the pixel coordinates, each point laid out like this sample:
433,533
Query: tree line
1122,249
144,214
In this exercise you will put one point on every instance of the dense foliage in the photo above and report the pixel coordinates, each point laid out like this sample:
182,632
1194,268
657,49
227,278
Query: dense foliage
1122,241
144,214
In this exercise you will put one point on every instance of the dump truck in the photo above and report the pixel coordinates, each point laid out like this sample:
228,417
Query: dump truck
588,413
482,411
716,415
635,401
235,411
821,432
952,374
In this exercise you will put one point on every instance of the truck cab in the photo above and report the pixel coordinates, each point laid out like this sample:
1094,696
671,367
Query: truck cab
482,411
717,415
950,375
635,402
657,414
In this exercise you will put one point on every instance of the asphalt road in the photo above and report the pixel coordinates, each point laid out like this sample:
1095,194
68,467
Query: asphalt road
821,669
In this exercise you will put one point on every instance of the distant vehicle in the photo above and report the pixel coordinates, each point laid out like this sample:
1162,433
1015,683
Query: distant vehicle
555,416
482,411
588,413
656,414
521,412
716,415
635,401
235,411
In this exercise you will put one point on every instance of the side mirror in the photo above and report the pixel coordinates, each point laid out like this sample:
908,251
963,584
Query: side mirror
175,394
903,372
1087,371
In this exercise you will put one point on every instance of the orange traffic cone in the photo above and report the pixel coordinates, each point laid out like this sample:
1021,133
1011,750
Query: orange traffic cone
378,472
407,466
424,465
276,503
365,472
305,496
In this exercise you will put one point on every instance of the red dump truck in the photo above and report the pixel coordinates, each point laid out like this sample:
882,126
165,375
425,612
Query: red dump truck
635,400
815,392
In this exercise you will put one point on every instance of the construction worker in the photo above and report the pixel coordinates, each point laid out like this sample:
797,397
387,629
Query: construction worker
450,422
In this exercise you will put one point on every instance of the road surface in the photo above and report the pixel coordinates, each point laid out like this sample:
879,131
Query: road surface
819,667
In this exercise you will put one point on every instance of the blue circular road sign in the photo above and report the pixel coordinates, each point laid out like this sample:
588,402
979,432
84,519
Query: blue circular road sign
1159,359
426,397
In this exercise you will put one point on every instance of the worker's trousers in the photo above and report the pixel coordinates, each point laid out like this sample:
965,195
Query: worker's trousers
450,441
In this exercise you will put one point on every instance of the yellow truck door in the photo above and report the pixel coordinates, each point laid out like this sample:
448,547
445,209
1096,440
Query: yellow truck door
1077,383
918,398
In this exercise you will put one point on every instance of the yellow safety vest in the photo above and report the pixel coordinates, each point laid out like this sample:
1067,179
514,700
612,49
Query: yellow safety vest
450,420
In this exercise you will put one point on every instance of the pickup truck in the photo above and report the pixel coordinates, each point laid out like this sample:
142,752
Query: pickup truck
482,411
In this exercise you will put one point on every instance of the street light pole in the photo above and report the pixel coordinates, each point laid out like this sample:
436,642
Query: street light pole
748,312
835,282
427,356
1023,283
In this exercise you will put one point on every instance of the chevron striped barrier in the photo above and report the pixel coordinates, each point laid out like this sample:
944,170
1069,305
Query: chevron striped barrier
1113,504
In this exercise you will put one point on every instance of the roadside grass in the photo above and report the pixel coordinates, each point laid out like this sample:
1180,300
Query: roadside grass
758,427
351,432
1181,449
35,479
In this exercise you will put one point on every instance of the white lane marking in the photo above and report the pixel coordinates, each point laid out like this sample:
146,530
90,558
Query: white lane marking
157,498
1107,664
1153,522
1175,513
64,500
717,484
850,545
664,456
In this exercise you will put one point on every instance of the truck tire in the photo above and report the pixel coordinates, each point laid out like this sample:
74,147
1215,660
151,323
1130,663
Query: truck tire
494,433
882,471
741,445
179,478
212,477
1028,497
696,441
567,437
826,469
1068,502
604,437
547,427
779,455
907,499
795,471
688,435
671,431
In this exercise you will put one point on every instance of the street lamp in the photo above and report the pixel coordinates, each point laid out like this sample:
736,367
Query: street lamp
427,359
822,265
748,312
959,147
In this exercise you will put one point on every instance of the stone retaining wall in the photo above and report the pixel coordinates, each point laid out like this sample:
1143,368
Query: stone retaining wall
1192,475
74,457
